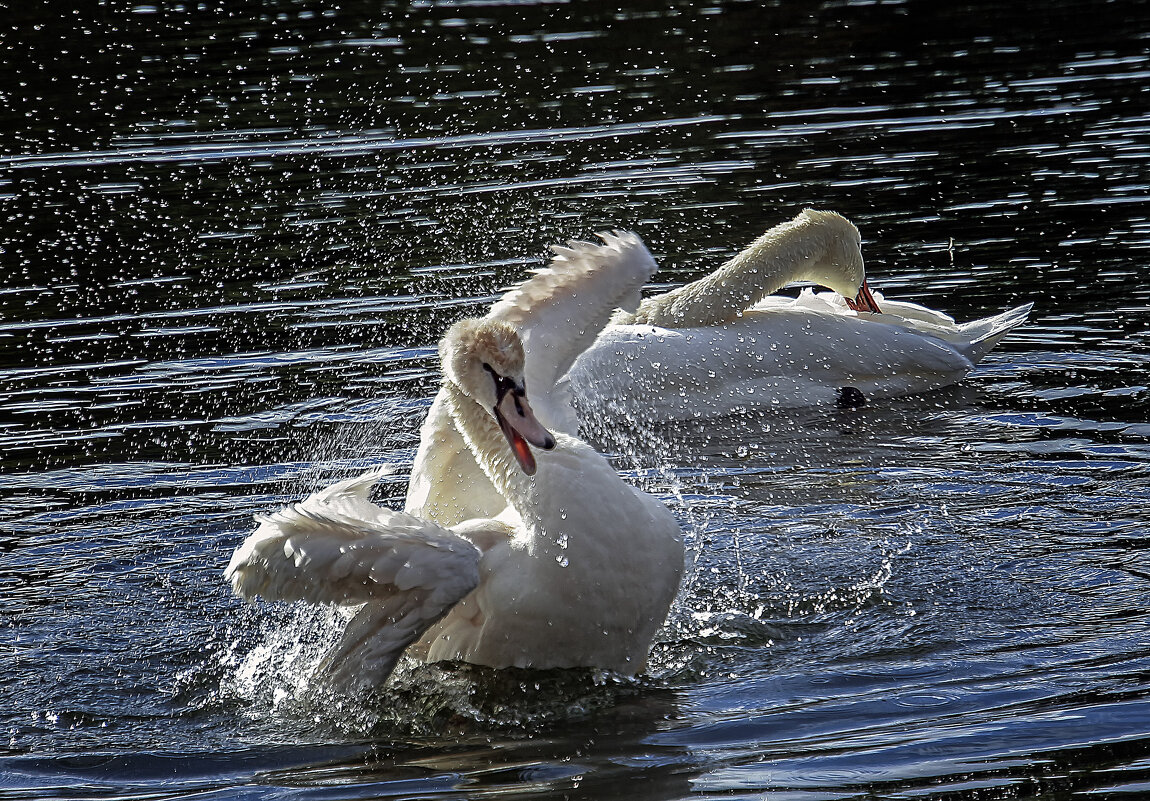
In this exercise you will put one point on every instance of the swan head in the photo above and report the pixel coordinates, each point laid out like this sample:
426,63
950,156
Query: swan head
841,267
484,358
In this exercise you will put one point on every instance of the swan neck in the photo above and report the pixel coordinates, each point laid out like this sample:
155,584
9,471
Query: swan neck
774,262
482,434
793,251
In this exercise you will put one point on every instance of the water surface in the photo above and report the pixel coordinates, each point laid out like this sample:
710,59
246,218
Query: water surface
233,235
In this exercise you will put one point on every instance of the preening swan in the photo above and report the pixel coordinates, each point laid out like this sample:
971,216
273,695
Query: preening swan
721,344
568,566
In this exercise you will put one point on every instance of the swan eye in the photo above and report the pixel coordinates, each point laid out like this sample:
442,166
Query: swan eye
503,385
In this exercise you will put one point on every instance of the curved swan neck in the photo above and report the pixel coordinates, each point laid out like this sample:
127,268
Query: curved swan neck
815,246
482,434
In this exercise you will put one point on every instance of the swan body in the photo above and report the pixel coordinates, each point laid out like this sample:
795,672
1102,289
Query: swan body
551,596
781,354
527,549
723,344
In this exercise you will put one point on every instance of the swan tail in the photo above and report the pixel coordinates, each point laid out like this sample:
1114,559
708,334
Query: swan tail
984,334
338,547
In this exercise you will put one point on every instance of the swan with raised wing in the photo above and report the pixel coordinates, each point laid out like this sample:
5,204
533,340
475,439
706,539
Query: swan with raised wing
723,344
565,565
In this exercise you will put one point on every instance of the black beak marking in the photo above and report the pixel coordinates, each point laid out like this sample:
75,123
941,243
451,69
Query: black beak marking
503,385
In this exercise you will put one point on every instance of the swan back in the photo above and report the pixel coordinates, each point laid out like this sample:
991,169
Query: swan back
785,352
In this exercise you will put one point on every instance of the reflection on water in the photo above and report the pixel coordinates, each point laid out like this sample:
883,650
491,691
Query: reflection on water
233,235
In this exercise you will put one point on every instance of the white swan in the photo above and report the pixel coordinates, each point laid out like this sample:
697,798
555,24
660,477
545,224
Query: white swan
721,345
567,567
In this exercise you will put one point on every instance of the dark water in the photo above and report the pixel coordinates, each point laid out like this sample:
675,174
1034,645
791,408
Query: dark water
233,232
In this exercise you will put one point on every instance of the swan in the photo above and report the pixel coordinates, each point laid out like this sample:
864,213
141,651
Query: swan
722,344
566,565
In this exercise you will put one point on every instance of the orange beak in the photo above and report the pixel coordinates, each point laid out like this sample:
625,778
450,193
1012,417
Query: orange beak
864,301
519,424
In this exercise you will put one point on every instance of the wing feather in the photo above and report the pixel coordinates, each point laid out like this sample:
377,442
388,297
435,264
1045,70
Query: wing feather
338,547
563,307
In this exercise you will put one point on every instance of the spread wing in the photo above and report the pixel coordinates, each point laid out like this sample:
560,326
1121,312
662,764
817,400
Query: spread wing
561,309
338,547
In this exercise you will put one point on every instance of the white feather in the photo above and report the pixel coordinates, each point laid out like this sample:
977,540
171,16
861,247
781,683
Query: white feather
338,547
559,312
561,309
